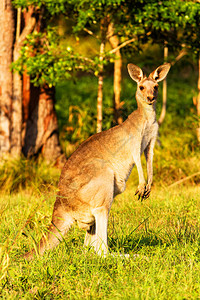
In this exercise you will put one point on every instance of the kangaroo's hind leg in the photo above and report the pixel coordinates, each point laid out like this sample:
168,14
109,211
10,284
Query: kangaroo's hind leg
96,236
101,225
98,193
60,224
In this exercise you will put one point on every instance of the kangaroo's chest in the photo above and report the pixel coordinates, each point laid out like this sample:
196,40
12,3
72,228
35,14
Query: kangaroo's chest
149,132
127,155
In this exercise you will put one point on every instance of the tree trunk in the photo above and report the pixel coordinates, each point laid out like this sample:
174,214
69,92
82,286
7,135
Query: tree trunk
6,45
39,132
16,127
40,126
100,101
48,138
198,105
164,101
41,129
114,41
100,90
104,28
29,20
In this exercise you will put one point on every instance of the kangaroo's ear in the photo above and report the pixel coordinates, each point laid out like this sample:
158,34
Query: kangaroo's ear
135,72
161,72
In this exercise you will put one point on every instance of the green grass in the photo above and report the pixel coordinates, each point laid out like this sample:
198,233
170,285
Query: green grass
163,230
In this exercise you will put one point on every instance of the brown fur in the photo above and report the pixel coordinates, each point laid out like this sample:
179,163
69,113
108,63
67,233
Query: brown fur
98,170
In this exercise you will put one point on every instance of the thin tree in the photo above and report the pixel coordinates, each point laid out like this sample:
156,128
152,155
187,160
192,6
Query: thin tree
164,95
196,101
6,45
114,41
16,127
103,30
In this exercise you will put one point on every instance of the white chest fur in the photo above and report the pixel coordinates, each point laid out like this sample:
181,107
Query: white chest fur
150,132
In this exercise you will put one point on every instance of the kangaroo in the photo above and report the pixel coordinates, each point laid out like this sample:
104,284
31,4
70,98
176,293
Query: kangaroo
98,170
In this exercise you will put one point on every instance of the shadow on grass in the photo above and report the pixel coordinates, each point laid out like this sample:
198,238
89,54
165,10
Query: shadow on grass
172,237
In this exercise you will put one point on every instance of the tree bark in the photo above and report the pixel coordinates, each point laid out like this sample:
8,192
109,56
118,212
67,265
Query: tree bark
6,45
100,89
40,126
103,27
41,129
114,41
39,132
164,101
47,138
16,126
100,92
26,89
16,130
198,104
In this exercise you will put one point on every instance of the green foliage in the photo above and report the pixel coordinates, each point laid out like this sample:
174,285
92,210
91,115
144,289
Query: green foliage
176,22
53,7
44,57
48,62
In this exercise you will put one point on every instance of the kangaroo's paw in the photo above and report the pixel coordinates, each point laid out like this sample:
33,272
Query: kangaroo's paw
147,191
140,191
143,191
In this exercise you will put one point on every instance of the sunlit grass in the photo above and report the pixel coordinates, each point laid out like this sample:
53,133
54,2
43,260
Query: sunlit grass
163,230
22,173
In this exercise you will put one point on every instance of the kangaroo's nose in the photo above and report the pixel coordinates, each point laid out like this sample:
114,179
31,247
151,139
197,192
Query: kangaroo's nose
150,98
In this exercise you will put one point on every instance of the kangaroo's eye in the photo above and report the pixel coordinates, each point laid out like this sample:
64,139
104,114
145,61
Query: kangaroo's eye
141,88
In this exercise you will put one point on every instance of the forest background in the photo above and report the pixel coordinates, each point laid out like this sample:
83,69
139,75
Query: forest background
49,42
63,77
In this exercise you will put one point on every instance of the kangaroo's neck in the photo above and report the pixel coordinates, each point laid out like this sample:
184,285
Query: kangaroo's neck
146,112
138,119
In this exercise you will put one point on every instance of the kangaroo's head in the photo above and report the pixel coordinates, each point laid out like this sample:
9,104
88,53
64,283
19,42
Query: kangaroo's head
147,87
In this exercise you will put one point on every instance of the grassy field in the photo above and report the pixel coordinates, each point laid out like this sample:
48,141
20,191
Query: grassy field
164,231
